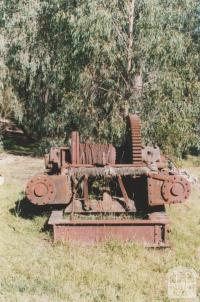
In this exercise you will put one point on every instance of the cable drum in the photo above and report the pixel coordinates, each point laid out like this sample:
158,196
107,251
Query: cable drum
97,154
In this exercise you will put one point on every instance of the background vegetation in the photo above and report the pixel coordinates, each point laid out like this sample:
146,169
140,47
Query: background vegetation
85,64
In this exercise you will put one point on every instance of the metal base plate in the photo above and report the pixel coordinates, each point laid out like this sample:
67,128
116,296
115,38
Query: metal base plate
150,232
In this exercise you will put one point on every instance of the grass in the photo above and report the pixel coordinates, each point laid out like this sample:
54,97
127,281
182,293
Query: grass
34,269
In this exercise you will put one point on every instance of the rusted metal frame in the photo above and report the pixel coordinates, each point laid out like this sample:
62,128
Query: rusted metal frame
147,235
75,185
149,232
157,233
85,193
98,208
67,165
63,154
162,231
73,198
75,143
158,176
57,218
113,222
124,193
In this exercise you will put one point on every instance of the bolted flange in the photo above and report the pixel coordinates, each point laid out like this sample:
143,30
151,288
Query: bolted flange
41,190
175,189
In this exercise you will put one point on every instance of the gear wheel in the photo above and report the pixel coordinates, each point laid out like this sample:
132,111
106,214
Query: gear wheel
136,140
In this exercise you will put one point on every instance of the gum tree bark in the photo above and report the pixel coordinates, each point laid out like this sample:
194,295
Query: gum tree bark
130,34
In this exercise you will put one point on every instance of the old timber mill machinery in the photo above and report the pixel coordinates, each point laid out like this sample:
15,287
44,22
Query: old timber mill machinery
136,184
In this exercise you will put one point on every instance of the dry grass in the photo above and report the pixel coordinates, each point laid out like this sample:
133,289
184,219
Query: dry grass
33,269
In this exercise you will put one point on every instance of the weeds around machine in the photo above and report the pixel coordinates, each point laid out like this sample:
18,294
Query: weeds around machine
108,192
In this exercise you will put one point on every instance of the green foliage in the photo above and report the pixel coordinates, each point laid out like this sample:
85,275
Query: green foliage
9,105
67,63
171,61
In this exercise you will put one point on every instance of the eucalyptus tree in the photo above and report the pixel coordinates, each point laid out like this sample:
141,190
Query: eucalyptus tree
9,105
85,64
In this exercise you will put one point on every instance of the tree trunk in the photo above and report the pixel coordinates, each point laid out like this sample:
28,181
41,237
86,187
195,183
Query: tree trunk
130,34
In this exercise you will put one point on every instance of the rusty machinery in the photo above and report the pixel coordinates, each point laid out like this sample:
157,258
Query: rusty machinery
135,185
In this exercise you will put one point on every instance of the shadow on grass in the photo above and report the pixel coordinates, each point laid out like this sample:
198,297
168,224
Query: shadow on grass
26,210
18,144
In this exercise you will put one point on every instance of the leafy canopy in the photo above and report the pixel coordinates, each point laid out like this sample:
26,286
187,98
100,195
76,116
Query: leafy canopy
67,69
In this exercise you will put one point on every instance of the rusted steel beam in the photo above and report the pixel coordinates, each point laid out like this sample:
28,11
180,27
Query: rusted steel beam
114,205
155,218
87,206
75,147
124,193
68,165
74,189
152,232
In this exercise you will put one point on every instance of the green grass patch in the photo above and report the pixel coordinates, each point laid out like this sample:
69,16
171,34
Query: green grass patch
32,268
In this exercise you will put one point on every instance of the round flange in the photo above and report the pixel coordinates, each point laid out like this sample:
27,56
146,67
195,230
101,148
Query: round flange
41,190
175,189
